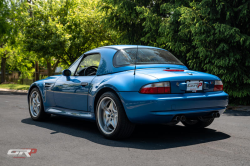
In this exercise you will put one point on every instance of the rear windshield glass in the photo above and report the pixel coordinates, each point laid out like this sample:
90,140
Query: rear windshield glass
144,56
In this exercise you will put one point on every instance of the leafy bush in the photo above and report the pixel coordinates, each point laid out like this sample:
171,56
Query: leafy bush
207,35
219,35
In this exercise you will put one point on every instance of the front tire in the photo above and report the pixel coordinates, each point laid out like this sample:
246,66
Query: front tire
199,123
111,118
36,108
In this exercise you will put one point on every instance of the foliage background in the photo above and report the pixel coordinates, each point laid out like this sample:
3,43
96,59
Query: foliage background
206,35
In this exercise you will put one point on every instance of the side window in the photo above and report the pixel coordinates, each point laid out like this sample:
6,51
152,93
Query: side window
90,63
73,67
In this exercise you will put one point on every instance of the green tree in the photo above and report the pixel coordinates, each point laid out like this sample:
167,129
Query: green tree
7,32
207,35
20,59
64,30
213,36
123,17
4,31
220,35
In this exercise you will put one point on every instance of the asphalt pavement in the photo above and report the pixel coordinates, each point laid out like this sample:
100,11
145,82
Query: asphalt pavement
68,142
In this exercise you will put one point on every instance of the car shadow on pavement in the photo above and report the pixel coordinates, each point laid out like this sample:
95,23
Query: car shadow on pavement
149,137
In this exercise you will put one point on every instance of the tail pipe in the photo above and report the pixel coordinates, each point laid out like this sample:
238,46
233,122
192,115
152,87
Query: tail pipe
176,118
215,115
179,118
212,115
183,118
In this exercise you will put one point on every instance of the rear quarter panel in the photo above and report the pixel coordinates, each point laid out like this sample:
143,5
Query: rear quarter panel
120,82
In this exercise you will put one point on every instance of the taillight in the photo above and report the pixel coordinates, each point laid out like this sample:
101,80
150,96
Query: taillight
218,86
156,88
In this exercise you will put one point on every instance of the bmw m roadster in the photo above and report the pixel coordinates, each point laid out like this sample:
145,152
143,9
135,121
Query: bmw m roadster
124,85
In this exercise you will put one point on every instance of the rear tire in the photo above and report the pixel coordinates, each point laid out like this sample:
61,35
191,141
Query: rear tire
36,108
199,123
111,118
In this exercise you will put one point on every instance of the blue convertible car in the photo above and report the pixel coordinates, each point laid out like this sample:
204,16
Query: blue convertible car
106,85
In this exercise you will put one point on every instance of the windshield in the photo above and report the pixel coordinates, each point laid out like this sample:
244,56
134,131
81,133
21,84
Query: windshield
144,56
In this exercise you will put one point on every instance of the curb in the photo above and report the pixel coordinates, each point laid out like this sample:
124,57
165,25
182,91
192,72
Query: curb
14,92
238,108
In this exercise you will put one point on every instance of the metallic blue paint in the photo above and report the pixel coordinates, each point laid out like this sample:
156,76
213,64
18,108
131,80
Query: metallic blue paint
66,96
70,94
147,108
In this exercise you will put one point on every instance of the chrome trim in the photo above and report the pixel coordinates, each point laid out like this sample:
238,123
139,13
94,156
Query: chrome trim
68,112
48,85
84,83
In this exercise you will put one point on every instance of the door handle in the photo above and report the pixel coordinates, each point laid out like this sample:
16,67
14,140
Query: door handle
84,83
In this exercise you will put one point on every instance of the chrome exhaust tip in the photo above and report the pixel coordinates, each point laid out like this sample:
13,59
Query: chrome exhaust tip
177,119
217,114
183,118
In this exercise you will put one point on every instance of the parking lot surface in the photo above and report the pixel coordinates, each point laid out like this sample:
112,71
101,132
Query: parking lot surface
65,141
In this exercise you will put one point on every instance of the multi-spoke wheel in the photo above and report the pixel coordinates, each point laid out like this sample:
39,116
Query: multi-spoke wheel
107,115
111,117
36,106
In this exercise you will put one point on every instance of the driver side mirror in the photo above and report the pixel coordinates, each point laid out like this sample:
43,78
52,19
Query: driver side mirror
66,73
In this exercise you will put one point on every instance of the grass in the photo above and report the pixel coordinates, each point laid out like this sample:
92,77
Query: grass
14,86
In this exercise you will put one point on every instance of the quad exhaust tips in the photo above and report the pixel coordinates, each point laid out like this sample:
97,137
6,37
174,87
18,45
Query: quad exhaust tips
212,115
179,118
215,114
183,118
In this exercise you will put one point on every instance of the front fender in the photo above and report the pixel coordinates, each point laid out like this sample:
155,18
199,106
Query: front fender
41,86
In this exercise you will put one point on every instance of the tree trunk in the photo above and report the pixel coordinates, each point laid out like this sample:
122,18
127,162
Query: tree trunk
36,63
36,71
49,68
3,64
55,66
30,2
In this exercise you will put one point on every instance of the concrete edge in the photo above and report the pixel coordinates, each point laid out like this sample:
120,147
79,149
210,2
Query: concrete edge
12,91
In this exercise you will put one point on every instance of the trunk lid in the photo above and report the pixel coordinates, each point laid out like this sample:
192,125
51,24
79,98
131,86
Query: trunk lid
181,77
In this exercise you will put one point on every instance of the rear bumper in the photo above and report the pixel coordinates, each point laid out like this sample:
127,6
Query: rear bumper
161,108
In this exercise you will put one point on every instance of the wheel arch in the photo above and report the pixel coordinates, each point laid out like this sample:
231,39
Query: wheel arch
34,85
102,91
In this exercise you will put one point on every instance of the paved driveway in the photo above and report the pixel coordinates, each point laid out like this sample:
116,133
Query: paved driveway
65,141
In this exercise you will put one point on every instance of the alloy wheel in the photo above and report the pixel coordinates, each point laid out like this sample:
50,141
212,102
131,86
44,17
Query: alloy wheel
107,115
35,104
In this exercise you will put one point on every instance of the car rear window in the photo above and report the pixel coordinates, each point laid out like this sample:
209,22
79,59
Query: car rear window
145,56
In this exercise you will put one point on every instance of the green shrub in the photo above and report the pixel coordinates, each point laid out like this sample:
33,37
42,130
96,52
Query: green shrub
207,35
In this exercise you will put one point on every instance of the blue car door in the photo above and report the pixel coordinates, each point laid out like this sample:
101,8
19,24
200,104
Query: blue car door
72,92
